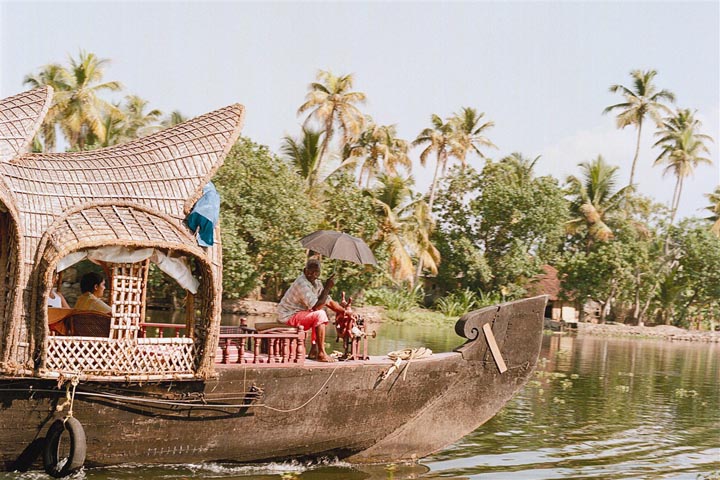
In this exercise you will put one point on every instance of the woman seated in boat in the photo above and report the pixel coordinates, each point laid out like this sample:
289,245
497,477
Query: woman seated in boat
55,298
92,285
58,309
302,305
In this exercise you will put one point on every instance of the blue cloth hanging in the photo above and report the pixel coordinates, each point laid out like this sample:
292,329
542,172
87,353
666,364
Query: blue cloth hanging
204,215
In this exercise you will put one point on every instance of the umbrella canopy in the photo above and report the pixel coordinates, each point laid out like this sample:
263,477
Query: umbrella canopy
339,246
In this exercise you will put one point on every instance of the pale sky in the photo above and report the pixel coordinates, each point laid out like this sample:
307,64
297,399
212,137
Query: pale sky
539,70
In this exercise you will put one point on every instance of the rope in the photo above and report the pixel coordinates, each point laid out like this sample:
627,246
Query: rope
131,400
407,354
69,398
121,398
304,404
410,353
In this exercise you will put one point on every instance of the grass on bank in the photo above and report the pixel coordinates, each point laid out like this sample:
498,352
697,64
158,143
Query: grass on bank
405,306
418,316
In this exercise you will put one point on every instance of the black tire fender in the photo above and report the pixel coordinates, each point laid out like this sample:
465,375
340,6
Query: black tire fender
78,448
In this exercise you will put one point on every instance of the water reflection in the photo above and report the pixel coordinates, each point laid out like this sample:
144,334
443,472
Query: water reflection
602,408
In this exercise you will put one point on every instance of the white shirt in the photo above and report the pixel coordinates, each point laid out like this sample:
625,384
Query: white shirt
54,301
302,295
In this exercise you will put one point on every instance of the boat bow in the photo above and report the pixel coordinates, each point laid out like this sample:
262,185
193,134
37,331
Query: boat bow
480,389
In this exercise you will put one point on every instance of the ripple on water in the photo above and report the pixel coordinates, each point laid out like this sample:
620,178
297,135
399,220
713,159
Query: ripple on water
601,408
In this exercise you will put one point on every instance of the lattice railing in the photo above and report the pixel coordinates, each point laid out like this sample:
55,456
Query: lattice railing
277,345
105,356
128,298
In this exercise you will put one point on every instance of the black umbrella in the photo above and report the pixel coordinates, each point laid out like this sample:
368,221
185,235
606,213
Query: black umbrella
339,246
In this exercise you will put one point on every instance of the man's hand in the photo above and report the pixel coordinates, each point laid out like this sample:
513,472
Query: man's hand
329,283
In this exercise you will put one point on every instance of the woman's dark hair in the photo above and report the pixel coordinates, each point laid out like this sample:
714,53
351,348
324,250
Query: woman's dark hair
89,280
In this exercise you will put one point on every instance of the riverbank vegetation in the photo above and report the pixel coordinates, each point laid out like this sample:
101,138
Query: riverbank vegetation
481,233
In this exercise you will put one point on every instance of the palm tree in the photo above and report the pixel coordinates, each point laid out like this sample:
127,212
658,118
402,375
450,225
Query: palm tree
521,169
138,122
459,135
469,134
642,101
114,127
82,110
304,153
330,102
174,118
714,209
55,76
405,226
594,200
380,151
437,139
682,150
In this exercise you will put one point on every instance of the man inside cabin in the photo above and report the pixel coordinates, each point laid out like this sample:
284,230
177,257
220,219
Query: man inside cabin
92,285
302,305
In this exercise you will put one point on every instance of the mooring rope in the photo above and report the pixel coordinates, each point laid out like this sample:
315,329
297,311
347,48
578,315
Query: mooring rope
307,402
407,354
201,402
69,398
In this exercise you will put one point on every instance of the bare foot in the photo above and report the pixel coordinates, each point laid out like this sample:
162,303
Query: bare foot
324,357
313,353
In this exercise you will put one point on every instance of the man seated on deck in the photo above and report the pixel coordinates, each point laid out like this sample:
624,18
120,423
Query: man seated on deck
92,286
302,305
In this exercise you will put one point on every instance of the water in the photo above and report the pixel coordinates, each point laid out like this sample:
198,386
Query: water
597,408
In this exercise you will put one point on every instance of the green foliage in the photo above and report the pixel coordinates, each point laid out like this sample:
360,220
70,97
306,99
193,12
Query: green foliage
264,213
522,219
419,316
595,202
457,303
405,226
463,262
601,274
497,228
348,210
697,275
163,291
400,300
303,153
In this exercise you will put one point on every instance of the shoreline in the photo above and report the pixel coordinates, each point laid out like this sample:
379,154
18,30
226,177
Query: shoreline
658,332
374,314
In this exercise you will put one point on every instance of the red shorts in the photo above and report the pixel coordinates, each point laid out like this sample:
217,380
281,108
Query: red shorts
308,319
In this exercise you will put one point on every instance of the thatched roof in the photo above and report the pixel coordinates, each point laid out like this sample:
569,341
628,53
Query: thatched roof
164,172
117,224
20,118
546,283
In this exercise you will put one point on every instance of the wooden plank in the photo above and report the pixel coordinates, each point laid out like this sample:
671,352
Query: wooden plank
497,356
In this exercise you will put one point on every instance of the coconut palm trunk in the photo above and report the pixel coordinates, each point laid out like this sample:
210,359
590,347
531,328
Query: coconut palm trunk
637,154
323,148
431,201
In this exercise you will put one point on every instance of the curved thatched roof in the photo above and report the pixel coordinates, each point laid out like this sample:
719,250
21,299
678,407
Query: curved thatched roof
164,172
20,118
117,224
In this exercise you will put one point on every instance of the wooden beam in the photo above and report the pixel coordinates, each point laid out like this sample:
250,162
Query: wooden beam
497,356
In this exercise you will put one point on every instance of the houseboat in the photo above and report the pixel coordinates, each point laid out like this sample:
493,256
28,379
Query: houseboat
109,389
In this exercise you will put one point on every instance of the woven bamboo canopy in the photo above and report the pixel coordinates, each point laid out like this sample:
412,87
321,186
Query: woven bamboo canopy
136,195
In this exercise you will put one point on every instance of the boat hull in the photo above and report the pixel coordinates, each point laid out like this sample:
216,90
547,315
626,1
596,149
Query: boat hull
257,413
